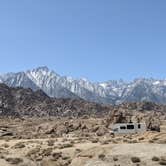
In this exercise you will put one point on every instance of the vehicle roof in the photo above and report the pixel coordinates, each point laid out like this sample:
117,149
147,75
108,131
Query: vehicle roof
127,123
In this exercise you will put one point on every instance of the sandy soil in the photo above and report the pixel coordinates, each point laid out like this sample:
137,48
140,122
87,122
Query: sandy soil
28,146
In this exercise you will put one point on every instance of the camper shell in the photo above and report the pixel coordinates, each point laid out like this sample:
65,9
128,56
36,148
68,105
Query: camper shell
128,128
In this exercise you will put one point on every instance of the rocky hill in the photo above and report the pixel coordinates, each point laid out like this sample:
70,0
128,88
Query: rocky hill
18,101
22,102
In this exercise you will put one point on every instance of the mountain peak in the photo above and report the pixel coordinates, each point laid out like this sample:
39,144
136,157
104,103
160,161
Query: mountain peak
84,79
42,68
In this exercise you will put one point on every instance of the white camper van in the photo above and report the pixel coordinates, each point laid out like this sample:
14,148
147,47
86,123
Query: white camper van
128,128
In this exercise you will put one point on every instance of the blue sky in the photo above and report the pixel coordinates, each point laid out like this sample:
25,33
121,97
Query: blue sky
97,39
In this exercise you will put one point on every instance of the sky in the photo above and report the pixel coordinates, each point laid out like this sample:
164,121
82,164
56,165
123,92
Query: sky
97,39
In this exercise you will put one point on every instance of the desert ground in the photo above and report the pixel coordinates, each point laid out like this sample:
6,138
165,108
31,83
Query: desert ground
77,142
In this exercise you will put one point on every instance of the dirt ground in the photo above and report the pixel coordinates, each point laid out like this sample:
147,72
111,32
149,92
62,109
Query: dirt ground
79,142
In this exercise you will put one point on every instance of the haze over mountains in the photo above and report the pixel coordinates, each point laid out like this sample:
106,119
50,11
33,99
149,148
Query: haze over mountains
110,92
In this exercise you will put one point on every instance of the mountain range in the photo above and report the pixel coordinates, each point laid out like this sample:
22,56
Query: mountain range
109,92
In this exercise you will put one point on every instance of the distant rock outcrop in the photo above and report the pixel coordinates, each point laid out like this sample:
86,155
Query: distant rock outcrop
17,102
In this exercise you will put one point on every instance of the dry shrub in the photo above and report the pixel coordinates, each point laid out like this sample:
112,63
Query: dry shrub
154,158
33,152
115,158
135,159
19,145
14,160
56,155
65,145
51,142
162,162
101,156
5,145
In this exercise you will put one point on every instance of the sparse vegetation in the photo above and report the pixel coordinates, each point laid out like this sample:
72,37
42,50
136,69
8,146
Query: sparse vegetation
154,158
56,155
14,160
162,162
115,158
51,142
101,156
75,144
135,159
5,145
19,145
65,145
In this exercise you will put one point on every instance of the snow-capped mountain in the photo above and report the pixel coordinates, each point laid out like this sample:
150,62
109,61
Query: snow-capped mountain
113,92
48,81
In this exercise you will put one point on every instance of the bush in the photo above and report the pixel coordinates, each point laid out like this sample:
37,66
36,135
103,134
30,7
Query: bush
135,159
14,160
101,156
51,142
19,145
65,145
155,158
163,158
162,162
115,158
5,145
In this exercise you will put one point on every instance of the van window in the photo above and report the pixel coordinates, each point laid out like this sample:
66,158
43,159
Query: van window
130,127
139,126
122,127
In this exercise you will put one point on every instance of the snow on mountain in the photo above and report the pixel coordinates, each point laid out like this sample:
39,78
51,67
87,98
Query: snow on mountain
48,81
83,88
1,81
113,91
104,85
18,80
